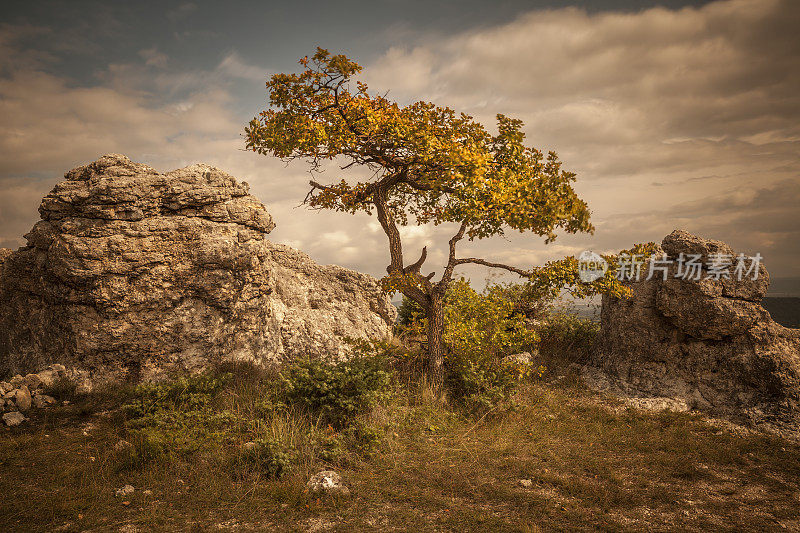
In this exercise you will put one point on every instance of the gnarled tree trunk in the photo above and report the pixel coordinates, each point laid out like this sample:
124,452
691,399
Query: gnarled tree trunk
435,363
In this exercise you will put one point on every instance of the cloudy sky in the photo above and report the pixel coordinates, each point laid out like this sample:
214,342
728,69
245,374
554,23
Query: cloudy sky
674,114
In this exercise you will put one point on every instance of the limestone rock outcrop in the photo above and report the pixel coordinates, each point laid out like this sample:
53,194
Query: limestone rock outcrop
707,341
132,274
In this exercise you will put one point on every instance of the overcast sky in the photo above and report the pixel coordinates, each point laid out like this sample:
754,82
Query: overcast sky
673,114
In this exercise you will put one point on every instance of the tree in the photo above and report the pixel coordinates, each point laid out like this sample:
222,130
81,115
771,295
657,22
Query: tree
428,165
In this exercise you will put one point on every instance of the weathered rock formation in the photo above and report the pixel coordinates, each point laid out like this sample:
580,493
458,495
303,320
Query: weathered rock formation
133,274
706,341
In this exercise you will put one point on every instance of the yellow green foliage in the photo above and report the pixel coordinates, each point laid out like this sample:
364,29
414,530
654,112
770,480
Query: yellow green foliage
179,417
480,330
549,281
483,325
266,456
444,166
339,391
426,164
398,281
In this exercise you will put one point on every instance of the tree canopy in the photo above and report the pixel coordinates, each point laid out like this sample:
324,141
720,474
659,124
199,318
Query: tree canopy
434,164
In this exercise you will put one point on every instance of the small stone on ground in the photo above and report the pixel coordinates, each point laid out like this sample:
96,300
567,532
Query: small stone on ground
13,419
127,490
327,481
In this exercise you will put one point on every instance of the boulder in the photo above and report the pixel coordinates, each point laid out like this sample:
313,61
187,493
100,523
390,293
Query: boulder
133,274
47,377
682,242
707,341
33,381
22,398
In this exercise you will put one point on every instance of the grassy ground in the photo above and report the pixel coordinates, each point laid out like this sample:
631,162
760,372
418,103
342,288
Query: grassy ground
433,469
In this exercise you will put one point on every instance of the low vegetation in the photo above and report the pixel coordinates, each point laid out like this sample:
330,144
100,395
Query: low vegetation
411,460
509,446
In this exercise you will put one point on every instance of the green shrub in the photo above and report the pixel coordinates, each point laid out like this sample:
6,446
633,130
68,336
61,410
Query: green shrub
480,330
337,392
329,446
363,439
336,447
178,418
266,407
186,393
63,388
409,313
483,324
267,457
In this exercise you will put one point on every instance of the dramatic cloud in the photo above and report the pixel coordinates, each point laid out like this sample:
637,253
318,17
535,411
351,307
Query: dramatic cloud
153,58
655,111
233,66
683,118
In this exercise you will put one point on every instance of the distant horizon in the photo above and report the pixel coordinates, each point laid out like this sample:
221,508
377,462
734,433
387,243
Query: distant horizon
784,286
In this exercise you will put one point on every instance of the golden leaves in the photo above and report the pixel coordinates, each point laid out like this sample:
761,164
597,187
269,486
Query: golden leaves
453,169
399,281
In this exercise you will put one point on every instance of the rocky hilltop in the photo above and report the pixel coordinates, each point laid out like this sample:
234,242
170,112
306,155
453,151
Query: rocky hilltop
706,341
131,274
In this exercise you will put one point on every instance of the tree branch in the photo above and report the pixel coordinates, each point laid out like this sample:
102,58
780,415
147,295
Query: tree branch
476,261
451,259
314,186
420,187
363,196
416,266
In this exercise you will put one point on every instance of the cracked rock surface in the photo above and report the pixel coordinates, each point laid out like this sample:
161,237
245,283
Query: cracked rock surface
708,342
134,274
